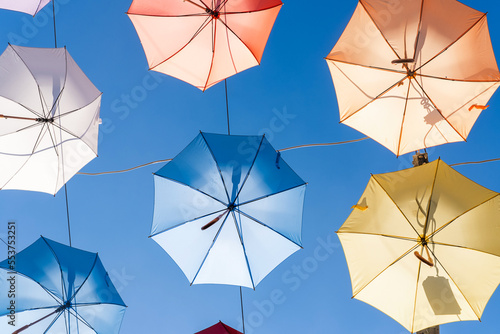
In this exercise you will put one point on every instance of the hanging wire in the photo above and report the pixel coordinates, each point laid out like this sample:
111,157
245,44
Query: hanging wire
227,109
322,144
67,212
474,162
54,16
242,316
128,169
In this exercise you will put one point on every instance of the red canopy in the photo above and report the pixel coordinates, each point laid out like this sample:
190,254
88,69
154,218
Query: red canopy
219,328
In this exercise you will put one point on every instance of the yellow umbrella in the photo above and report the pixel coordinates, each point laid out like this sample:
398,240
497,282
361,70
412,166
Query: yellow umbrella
413,74
422,245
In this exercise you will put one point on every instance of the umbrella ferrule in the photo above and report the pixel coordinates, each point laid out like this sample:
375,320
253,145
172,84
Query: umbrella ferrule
45,120
215,14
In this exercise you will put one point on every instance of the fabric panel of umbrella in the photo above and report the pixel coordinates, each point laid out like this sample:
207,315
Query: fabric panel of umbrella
50,118
31,7
422,246
413,74
203,44
60,289
228,209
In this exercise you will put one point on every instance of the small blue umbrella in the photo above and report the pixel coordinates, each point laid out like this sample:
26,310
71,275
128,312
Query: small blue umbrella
228,209
52,288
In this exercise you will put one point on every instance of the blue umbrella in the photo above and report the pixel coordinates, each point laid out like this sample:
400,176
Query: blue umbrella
52,288
228,209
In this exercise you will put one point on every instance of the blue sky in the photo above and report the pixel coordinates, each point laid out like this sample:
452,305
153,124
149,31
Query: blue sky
149,116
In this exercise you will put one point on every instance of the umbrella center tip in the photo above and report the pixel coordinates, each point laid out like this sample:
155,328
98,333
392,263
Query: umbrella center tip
45,120
215,14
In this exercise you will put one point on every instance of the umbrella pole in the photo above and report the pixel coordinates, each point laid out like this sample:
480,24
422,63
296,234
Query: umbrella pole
17,117
242,313
227,108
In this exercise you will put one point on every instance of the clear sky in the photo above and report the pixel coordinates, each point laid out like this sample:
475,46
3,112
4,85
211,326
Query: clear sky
148,116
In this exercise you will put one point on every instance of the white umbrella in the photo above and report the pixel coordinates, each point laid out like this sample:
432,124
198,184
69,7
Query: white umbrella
26,6
49,119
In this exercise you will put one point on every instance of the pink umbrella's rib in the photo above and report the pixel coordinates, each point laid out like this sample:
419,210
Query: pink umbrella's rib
203,26
372,98
186,222
405,73
380,30
487,89
195,4
460,215
404,115
459,37
218,168
229,46
458,287
209,249
267,227
243,246
418,29
214,34
455,80
439,111
395,204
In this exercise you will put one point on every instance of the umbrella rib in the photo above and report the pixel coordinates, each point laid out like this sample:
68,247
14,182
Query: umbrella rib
418,30
242,42
268,227
22,129
45,289
60,269
186,222
196,189
379,235
388,266
416,291
250,169
218,167
371,99
463,294
243,246
53,322
197,32
460,215
464,247
378,28
86,278
394,202
25,107
77,315
430,199
214,34
209,249
458,80
404,114
276,193
456,40
366,66
439,111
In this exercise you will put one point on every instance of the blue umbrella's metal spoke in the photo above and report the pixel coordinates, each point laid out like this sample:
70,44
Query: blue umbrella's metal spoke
267,226
276,193
53,322
64,292
85,280
240,234
209,249
189,221
78,318
250,169
196,189
218,167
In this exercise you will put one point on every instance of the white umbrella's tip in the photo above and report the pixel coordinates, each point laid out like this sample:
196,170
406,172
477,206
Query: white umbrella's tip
99,121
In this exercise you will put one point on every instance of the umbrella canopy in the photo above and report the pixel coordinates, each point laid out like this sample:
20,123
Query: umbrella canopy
219,328
228,209
422,246
201,42
58,289
413,74
49,119
26,6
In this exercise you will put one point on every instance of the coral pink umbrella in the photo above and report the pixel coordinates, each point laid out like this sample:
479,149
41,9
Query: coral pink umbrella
219,328
203,42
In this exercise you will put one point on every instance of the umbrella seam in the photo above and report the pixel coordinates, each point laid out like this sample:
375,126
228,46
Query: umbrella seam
404,115
478,95
431,198
249,170
186,222
240,235
276,193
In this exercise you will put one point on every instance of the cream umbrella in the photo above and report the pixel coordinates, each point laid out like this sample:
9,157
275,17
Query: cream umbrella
422,246
413,74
